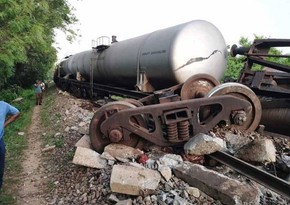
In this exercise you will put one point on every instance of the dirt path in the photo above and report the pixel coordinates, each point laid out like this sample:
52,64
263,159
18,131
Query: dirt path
32,177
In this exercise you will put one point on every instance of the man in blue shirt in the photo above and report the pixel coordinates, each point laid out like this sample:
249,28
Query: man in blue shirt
5,110
38,92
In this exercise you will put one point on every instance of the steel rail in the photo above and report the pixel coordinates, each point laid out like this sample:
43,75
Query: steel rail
262,177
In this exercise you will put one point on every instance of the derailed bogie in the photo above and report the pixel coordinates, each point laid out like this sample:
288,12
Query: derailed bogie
174,123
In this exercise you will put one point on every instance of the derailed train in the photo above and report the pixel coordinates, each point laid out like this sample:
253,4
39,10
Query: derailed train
154,61
171,77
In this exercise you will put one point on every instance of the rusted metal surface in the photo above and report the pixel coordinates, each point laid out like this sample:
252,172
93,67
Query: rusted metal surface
137,103
170,94
274,80
198,86
264,83
115,134
242,120
169,124
272,84
277,120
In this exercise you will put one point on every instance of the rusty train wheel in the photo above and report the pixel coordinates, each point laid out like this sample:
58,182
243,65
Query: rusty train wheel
241,91
198,86
99,140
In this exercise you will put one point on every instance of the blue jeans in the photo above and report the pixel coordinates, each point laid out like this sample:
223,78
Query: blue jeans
2,160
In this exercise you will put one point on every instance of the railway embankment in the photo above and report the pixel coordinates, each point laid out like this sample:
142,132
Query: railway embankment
78,175
60,166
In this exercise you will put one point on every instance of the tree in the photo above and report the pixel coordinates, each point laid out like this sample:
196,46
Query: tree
27,31
236,64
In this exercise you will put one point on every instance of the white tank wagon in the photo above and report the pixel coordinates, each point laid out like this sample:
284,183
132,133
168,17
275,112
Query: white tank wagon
153,61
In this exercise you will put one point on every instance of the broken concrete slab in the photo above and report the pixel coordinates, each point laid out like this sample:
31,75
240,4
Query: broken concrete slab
236,141
259,150
202,144
85,142
218,186
122,151
133,180
89,158
135,164
170,160
165,171
107,156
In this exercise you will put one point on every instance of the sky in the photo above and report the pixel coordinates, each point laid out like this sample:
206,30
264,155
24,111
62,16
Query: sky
131,18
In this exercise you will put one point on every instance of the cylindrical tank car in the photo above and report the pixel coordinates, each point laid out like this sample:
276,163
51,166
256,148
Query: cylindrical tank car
155,60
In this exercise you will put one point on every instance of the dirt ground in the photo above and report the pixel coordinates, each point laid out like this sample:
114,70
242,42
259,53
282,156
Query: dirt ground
32,177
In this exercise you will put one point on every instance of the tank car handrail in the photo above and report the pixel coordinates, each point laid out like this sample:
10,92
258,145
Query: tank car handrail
102,42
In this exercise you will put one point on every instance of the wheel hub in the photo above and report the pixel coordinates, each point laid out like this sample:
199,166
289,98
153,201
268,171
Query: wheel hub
247,120
115,135
239,117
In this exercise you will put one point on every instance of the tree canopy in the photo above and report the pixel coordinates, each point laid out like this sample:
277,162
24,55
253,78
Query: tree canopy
27,32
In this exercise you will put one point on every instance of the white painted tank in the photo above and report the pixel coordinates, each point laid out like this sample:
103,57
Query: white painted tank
166,57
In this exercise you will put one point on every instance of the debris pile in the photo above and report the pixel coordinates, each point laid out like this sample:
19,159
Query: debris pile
125,175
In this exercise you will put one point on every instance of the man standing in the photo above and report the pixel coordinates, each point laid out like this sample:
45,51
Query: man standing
38,92
5,110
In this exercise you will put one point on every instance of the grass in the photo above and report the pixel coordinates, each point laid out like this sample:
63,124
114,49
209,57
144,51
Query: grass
49,119
16,144
59,142
70,154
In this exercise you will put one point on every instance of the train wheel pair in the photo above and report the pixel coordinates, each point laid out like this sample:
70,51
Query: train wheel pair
196,87
204,85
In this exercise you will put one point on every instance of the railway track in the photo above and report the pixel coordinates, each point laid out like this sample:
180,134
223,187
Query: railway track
262,177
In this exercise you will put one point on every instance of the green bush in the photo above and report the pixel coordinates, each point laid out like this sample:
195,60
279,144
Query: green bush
10,93
14,92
